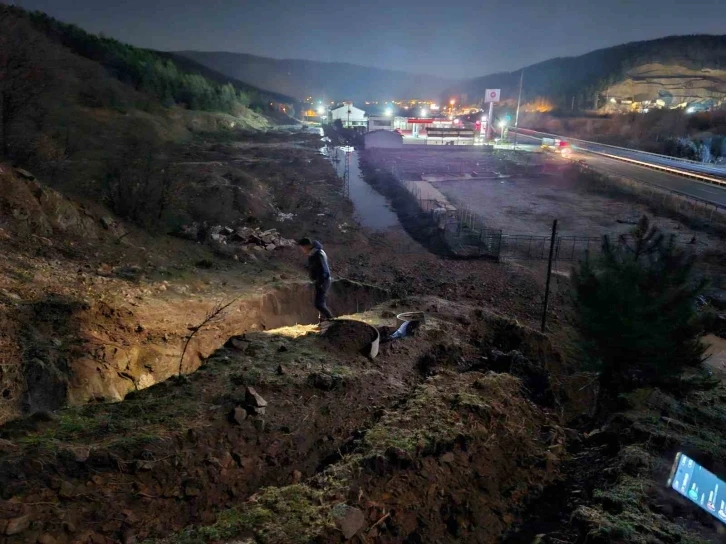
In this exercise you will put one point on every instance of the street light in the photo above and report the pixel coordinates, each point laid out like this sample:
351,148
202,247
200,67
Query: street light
388,112
321,110
424,112
502,125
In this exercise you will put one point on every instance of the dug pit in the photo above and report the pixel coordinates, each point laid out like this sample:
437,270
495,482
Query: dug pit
351,336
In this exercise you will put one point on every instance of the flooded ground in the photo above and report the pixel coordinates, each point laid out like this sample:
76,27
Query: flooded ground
372,209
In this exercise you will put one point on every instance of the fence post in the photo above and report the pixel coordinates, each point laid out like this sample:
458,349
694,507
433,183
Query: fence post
549,275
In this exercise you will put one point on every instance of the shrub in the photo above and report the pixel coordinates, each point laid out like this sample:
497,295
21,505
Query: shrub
636,311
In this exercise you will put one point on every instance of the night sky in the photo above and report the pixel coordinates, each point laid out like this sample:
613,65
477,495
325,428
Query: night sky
464,38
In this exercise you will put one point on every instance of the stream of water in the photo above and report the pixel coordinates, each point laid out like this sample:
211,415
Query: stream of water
372,210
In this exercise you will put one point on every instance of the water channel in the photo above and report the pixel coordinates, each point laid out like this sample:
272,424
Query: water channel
372,210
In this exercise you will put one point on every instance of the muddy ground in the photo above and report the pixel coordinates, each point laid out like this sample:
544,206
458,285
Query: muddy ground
475,429
524,192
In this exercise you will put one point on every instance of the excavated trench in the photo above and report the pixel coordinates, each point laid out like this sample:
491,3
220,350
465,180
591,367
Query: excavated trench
181,451
111,356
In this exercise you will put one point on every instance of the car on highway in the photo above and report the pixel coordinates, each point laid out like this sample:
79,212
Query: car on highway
561,147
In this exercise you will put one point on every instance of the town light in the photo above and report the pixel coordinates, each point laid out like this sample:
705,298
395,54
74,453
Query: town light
452,102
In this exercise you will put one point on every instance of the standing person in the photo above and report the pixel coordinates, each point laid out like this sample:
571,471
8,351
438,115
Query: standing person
319,274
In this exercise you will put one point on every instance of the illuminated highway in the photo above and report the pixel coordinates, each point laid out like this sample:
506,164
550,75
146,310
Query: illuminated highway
639,170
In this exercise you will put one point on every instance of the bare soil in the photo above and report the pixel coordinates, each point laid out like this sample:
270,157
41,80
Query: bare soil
173,455
435,440
522,193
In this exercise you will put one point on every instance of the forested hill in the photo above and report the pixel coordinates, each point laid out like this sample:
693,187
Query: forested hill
582,77
331,80
170,79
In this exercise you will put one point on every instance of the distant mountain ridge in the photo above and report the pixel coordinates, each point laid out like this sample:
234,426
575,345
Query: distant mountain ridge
321,80
588,78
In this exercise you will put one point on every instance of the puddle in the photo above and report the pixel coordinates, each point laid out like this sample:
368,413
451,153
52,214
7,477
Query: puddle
372,209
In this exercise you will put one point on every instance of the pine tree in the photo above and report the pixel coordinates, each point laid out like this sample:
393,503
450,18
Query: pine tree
636,312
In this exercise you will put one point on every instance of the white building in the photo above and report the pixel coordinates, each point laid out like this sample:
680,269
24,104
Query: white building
383,138
349,115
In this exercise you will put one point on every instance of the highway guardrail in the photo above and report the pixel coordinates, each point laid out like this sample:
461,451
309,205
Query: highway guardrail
699,175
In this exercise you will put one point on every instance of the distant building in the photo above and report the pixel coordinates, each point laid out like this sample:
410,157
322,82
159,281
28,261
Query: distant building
415,126
380,123
349,115
383,138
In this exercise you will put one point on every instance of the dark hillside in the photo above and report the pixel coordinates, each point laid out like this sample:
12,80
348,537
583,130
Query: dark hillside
169,79
105,130
582,77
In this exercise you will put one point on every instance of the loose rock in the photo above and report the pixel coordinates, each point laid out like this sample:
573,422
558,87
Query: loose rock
238,415
17,525
66,490
253,398
242,237
24,174
349,520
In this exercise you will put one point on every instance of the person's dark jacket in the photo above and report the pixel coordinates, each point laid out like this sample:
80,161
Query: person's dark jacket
318,264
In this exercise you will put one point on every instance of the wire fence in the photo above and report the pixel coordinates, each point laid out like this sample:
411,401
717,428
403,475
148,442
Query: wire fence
467,235
537,247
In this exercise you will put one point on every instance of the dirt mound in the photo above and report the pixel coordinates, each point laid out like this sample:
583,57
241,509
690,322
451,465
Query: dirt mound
350,336
29,208
439,453
535,378
454,463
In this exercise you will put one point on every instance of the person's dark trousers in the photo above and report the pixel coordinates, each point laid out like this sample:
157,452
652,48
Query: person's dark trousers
321,297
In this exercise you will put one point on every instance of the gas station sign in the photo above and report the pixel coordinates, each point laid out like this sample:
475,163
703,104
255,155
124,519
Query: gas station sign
492,95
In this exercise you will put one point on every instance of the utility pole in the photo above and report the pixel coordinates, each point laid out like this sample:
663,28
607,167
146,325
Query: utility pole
549,275
519,102
573,104
490,120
